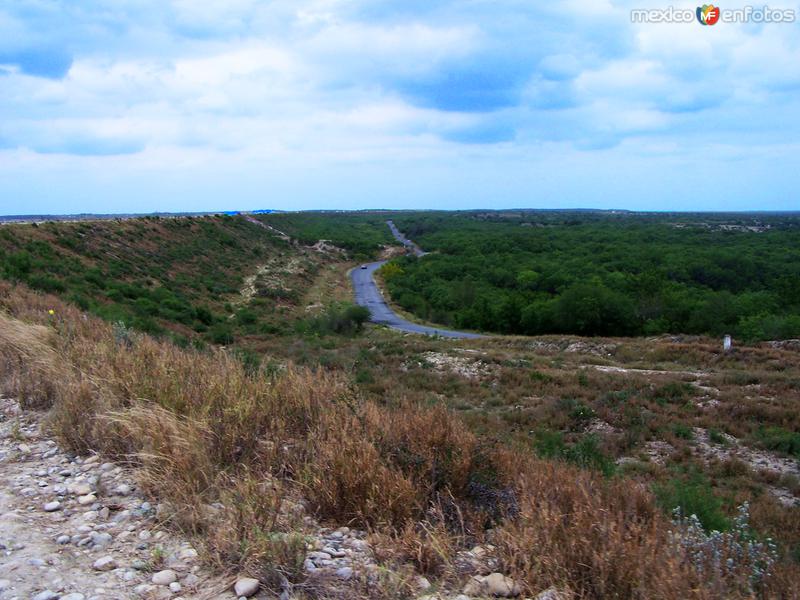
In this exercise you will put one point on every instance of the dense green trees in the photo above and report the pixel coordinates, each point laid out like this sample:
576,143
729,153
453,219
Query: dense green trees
604,274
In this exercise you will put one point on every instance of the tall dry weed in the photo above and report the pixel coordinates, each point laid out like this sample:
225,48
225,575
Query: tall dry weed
223,449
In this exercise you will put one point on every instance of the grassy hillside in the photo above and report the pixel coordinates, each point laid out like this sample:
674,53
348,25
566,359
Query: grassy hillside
201,279
361,234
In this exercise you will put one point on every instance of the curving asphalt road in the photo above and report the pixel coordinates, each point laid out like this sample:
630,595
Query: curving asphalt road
368,295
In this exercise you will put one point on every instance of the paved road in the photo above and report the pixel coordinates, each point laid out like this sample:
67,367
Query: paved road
404,240
368,295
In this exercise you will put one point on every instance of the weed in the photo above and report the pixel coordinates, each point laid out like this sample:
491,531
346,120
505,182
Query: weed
692,496
780,440
715,436
682,431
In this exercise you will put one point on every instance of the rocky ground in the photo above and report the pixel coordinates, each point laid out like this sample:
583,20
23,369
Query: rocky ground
78,528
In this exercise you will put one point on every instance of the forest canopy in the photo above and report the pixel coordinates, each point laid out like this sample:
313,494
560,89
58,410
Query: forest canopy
603,273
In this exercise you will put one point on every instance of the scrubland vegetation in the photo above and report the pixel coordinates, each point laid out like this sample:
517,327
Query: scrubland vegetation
603,274
157,275
207,433
568,455
361,234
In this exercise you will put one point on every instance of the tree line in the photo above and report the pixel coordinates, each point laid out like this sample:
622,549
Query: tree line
603,274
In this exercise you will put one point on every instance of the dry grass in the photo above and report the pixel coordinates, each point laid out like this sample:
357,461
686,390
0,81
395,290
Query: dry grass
231,453
599,539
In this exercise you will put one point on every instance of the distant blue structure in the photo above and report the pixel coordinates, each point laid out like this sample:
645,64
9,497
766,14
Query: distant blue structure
231,213
263,211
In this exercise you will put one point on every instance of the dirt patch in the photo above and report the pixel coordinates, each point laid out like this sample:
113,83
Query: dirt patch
656,452
610,369
793,345
390,252
600,427
271,276
326,247
757,460
458,365
573,347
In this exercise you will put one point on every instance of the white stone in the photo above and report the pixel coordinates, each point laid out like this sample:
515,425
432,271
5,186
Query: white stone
246,586
164,577
73,596
80,489
496,584
175,587
553,593
101,539
143,589
52,506
106,563
87,499
344,573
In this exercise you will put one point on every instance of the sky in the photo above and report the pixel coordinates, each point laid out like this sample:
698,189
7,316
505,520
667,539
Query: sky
179,105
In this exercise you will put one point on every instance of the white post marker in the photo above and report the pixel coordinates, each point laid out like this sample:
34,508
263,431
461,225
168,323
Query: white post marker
726,343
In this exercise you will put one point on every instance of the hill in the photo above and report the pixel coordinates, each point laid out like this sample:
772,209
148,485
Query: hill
560,458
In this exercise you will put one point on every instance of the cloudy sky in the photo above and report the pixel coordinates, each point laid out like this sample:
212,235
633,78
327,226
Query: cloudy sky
143,105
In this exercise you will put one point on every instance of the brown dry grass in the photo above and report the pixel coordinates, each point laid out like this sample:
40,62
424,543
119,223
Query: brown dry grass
231,453
599,539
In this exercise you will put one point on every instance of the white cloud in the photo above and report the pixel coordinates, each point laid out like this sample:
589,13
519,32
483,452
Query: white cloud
324,83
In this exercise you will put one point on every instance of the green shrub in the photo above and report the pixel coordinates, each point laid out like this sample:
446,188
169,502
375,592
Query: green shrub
540,377
673,392
221,333
147,324
246,316
780,440
693,495
342,319
715,437
46,284
682,431
249,359
364,376
585,453
204,315
577,410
